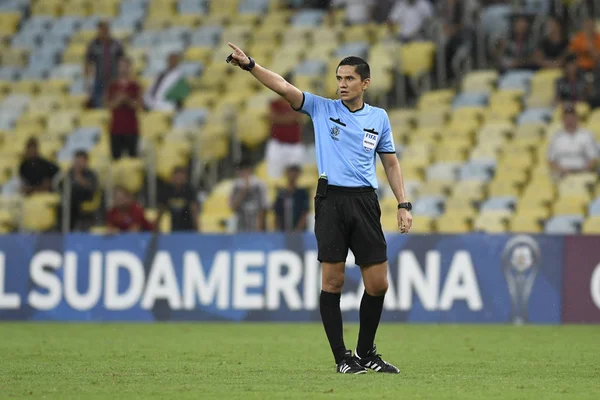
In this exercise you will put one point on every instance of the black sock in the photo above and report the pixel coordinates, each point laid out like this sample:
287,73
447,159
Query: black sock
370,314
331,315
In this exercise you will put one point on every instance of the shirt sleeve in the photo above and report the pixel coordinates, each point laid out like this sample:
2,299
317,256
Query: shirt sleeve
310,104
591,149
386,142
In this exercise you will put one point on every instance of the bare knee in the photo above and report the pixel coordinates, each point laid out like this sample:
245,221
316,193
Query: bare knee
332,278
377,287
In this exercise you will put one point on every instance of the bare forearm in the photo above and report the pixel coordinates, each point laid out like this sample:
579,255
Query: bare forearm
396,181
276,83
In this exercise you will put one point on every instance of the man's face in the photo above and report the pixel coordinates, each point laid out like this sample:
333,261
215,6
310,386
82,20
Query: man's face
570,121
31,151
292,175
122,199
80,162
180,178
521,26
245,172
350,86
103,30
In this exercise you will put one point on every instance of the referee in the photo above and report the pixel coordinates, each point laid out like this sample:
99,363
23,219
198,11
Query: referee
348,133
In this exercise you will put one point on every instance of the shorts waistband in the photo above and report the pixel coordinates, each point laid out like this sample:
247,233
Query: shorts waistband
345,189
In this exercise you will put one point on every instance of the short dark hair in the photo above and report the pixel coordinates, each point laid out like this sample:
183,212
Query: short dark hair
361,66
81,153
32,141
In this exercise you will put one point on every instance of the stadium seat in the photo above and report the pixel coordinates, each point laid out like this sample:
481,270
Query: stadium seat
416,58
453,223
522,223
492,221
591,226
39,213
564,224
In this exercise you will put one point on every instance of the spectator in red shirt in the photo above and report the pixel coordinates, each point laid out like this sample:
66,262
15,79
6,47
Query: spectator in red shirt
124,100
285,147
126,215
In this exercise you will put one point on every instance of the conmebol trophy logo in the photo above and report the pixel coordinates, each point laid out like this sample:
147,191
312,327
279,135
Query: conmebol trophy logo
521,260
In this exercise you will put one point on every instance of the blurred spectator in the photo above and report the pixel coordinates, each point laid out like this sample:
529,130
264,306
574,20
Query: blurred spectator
586,45
249,200
169,89
412,17
571,87
84,183
452,13
573,149
179,198
35,171
285,146
355,11
291,205
517,51
552,49
124,99
126,215
101,60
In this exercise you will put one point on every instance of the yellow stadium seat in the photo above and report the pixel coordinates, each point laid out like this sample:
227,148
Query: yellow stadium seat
434,188
55,86
164,8
200,54
402,117
525,224
473,190
545,78
214,150
591,226
51,8
43,105
26,86
79,8
492,221
453,223
8,168
129,173
485,152
73,102
39,213
435,98
61,122
104,8
416,58
154,125
479,81
450,154
570,205
500,188
435,116
9,22
215,222
91,206
462,205
75,53
422,224
164,225
503,111
94,118
495,129
468,113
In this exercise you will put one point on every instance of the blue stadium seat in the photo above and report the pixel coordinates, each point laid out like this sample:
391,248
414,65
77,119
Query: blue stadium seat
190,118
7,119
90,23
535,115
499,203
43,58
310,67
176,34
308,18
431,206
14,5
253,7
162,50
564,225
208,35
67,71
192,7
359,49
84,135
129,7
36,71
476,171
594,207
37,24
128,22
495,19
65,26
442,171
191,69
78,87
15,102
537,7
145,39
518,79
26,40
469,99
8,73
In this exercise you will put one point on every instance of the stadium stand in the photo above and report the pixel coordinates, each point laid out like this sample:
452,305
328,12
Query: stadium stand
473,153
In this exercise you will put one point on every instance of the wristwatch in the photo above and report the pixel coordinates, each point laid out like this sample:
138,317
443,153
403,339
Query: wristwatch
407,206
250,65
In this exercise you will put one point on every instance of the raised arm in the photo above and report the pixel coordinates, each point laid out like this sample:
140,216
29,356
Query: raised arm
269,79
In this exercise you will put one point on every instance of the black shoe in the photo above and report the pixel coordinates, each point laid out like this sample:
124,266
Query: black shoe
373,361
349,365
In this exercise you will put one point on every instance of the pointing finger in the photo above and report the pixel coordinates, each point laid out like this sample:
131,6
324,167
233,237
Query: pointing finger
233,46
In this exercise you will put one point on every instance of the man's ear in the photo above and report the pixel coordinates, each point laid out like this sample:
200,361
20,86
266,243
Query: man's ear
366,83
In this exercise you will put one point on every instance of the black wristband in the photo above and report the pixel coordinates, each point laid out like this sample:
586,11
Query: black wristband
250,65
407,206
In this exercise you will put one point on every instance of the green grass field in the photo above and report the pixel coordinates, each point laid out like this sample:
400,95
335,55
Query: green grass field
292,361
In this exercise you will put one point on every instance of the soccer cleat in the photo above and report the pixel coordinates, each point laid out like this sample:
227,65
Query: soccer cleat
349,365
373,361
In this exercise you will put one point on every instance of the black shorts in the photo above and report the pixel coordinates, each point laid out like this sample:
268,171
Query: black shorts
349,218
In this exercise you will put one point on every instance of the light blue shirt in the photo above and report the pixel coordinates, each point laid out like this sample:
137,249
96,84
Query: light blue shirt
346,141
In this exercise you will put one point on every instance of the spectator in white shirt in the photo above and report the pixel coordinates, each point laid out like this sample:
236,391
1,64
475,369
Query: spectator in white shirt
356,11
412,16
573,149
